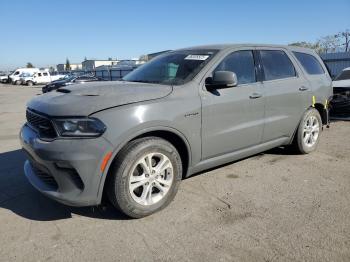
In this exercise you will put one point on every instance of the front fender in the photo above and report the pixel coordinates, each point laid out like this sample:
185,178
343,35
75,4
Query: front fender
127,122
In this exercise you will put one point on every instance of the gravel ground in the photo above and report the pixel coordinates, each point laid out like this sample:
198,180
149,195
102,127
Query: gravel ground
270,207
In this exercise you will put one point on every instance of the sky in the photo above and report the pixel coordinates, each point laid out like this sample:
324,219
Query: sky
45,33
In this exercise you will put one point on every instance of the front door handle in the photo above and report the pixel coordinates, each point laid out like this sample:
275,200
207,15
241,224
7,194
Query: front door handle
255,95
303,88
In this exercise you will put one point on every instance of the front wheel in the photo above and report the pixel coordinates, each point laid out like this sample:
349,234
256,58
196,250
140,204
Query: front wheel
30,83
145,177
309,131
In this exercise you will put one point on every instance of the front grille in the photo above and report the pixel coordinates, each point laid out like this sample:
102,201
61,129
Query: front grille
41,123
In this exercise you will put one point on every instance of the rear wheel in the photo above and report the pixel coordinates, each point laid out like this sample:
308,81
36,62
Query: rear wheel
309,131
144,177
17,82
29,83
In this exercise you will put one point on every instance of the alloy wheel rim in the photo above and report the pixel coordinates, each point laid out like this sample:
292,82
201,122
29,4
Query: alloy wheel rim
311,131
151,178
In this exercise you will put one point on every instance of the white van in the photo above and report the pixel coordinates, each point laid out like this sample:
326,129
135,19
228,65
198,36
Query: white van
14,78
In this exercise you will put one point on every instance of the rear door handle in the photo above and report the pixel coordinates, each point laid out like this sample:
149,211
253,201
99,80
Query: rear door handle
255,96
303,88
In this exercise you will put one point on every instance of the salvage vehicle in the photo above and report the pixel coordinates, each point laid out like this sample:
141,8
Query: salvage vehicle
4,78
15,78
41,77
69,80
340,103
181,113
342,82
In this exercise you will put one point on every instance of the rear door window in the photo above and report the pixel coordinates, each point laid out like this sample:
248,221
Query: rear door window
242,64
310,64
276,65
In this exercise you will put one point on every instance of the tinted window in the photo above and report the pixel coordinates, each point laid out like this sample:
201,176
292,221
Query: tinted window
309,63
39,74
276,64
242,64
45,74
345,75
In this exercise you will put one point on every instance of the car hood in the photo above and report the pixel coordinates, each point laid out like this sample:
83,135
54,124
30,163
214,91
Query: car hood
87,98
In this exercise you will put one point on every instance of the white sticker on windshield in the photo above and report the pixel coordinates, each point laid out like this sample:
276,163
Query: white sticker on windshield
197,57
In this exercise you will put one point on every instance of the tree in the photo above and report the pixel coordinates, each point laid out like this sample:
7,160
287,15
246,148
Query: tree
143,58
51,69
110,58
314,46
344,37
67,65
303,44
30,65
329,43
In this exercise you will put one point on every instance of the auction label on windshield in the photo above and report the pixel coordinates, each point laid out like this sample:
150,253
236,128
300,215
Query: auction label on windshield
197,57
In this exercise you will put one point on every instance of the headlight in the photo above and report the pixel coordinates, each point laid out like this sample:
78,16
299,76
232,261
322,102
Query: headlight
79,127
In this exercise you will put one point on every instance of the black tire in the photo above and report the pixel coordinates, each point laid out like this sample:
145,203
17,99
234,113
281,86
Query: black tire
17,82
30,83
118,180
299,144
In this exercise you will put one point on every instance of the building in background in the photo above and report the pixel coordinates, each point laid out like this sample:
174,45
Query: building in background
92,64
336,62
73,67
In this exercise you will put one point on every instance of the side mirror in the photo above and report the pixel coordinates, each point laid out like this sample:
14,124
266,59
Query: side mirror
221,79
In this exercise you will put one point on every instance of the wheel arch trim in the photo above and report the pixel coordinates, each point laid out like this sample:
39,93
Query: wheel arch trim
132,137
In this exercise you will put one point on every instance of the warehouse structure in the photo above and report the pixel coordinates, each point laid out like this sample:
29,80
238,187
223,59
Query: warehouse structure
92,64
73,66
336,62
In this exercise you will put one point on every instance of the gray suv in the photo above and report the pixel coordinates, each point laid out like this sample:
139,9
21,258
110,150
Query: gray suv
181,113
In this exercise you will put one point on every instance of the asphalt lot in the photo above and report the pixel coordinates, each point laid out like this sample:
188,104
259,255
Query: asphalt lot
275,206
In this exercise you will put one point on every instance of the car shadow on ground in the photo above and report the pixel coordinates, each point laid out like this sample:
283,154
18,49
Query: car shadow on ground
18,196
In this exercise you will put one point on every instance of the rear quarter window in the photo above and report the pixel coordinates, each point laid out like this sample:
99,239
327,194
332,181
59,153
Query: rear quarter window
310,63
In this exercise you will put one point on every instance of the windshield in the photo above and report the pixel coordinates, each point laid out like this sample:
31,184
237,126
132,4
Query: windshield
345,75
173,68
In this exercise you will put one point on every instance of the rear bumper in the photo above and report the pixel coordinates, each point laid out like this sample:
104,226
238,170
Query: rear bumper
67,170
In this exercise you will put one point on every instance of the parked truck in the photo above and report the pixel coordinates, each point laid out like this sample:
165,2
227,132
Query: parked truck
41,77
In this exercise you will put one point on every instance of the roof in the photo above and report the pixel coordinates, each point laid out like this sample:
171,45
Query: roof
158,53
229,46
